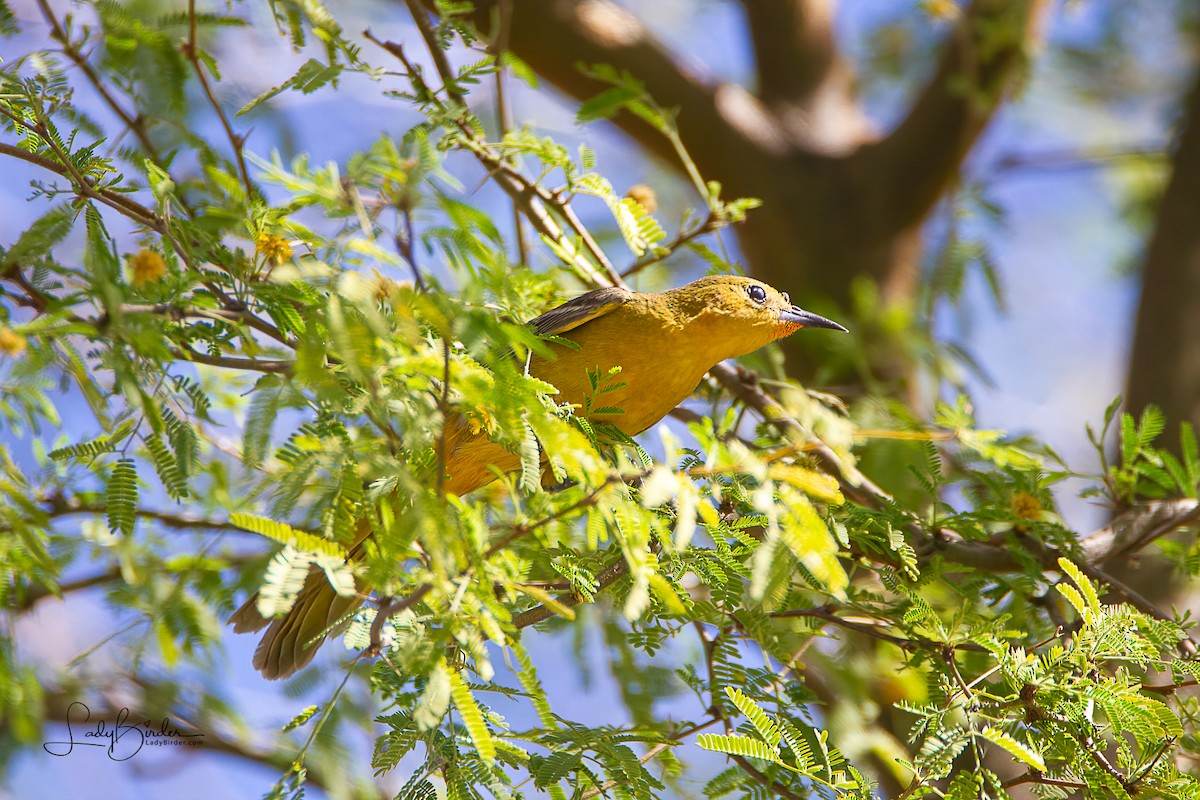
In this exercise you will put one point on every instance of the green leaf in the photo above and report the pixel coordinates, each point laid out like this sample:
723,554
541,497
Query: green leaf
1087,604
1150,425
264,407
121,497
184,441
531,462
1191,455
939,750
311,76
286,534
89,449
301,718
606,104
472,718
758,718
519,69
435,699
797,742
1017,749
167,468
737,745
40,237
283,581
8,20
1129,439
528,677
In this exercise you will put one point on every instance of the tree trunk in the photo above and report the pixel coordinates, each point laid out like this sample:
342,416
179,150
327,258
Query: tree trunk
1165,364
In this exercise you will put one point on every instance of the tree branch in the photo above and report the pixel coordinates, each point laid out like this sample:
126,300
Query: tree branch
605,578
230,362
802,78
61,507
191,51
794,47
529,196
983,57
708,225
555,36
38,593
135,211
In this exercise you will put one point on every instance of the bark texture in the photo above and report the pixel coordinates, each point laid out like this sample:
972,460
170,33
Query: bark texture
1165,362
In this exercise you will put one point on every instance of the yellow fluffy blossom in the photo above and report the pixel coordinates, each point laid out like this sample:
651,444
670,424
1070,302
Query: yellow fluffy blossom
11,342
645,197
146,266
275,249
1026,506
384,286
941,9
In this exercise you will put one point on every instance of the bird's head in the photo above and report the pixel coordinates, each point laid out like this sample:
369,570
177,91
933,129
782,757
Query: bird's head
743,314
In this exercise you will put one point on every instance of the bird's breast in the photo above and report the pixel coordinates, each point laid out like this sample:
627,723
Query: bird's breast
656,373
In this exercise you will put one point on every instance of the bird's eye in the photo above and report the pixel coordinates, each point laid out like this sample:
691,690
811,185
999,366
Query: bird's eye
757,293
787,298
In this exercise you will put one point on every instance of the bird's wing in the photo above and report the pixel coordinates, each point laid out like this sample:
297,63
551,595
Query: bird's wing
584,308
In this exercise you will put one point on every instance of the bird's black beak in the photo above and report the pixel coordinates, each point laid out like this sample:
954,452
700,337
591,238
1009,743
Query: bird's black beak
807,319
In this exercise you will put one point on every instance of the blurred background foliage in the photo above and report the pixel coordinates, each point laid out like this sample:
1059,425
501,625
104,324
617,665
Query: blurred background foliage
244,245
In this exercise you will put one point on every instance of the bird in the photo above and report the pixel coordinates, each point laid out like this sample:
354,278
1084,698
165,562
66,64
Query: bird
663,343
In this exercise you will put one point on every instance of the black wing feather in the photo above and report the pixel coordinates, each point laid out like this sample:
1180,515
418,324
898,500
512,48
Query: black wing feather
579,310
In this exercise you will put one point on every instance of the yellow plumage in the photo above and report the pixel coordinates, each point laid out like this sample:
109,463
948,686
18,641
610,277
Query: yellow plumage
663,343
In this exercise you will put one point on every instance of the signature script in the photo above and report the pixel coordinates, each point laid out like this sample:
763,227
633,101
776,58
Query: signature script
121,739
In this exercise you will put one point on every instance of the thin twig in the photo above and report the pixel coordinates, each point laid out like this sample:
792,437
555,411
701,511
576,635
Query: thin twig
1132,785
532,198
178,312
34,297
708,225
60,507
192,53
408,247
229,362
605,578
825,614
1037,777
444,408
115,200
504,114
133,123
649,754
1169,688
1073,158
520,531
441,64
389,608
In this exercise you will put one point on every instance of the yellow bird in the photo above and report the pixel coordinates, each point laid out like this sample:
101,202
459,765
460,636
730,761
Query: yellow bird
663,343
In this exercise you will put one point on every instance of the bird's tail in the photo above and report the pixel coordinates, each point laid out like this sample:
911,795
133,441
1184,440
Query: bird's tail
292,640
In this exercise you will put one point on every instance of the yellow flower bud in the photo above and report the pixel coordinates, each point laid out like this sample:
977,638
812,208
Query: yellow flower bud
11,343
1026,506
644,196
275,249
146,266
941,9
